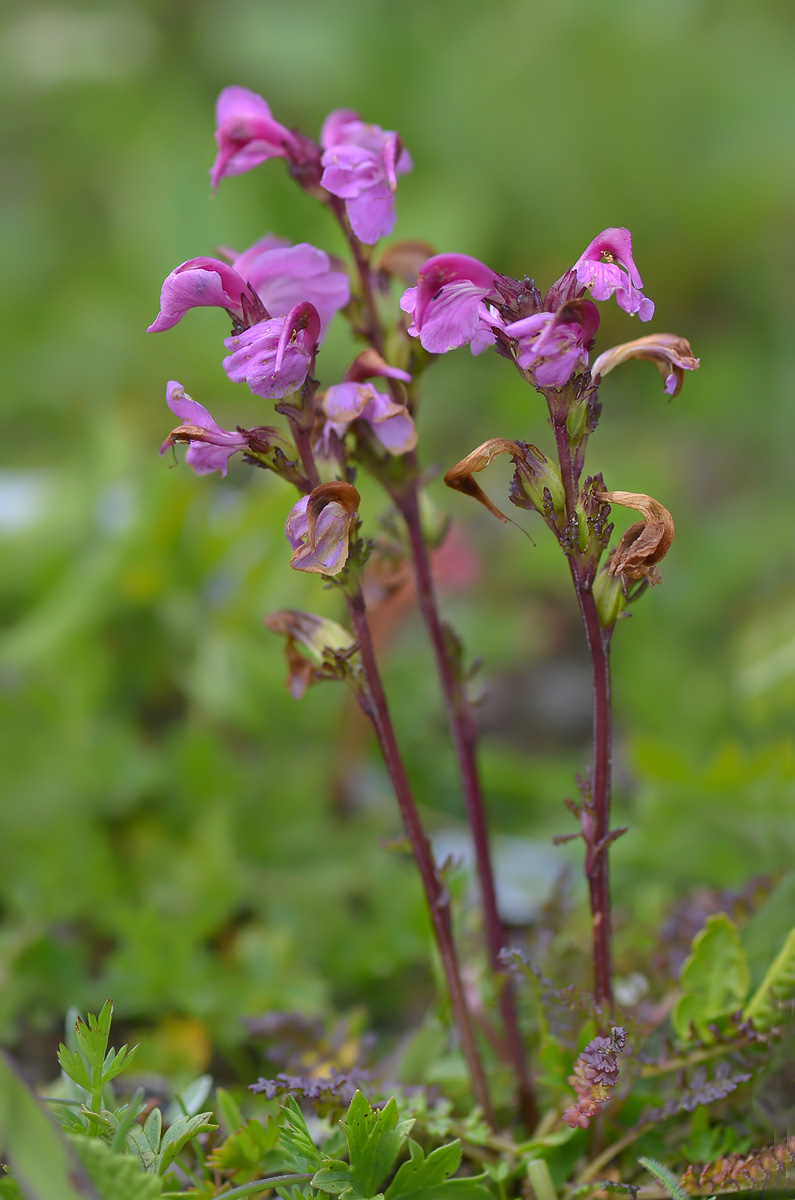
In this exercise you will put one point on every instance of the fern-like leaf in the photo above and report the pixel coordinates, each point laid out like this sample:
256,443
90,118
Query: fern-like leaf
665,1177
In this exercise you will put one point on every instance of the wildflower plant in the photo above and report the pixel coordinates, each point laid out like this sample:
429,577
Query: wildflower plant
320,437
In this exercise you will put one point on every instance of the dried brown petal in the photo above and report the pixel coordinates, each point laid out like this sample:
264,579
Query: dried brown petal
460,478
336,492
670,353
646,542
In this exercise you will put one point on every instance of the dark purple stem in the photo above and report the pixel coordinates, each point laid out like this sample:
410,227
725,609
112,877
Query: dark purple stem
374,705
597,867
595,830
464,733
459,715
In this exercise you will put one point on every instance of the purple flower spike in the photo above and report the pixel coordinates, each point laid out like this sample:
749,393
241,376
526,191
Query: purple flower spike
273,357
209,446
606,266
448,304
361,164
247,135
283,275
197,283
552,346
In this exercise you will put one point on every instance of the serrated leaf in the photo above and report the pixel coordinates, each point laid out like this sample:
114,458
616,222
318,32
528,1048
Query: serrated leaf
116,1177
665,1177
777,987
246,1147
375,1139
72,1064
153,1128
338,1178
179,1134
301,1151
424,1178
117,1061
715,978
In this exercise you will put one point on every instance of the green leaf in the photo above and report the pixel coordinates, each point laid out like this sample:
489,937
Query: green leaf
715,978
374,1141
339,1179
665,1177
228,1110
93,1033
39,1155
777,987
424,1178
246,1147
116,1177
177,1136
301,1151
72,1064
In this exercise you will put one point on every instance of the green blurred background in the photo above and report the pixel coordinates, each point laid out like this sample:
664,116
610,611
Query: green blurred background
177,832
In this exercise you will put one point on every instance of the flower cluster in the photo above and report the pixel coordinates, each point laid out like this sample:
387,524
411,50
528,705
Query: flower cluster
594,1077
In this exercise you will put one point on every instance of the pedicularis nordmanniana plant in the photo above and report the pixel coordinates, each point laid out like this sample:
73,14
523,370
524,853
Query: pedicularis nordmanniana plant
281,299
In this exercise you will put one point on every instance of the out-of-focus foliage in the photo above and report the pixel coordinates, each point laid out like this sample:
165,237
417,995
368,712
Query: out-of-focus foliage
176,831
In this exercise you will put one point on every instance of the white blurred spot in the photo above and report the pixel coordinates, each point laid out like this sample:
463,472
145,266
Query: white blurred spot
23,499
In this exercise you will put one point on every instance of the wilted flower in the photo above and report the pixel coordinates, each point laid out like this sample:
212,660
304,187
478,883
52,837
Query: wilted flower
354,400
606,267
595,1075
273,357
459,477
318,528
361,164
316,648
552,346
209,446
448,306
671,355
645,543
247,135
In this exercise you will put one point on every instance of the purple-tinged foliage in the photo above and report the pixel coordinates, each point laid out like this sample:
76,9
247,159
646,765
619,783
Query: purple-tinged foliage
448,305
594,1077
337,1085
273,357
209,446
361,164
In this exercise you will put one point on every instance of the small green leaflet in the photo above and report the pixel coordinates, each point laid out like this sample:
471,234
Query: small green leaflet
777,987
374,1142
715,978
428,1178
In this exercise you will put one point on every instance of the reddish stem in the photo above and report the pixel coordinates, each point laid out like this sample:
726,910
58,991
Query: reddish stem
464,734
374,705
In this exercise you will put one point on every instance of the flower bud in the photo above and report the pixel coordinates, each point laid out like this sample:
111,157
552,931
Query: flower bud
608,592
537,483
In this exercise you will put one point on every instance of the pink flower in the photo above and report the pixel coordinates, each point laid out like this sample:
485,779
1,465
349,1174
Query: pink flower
448,304
552,346
247,135
273,357
354,400
283,275
318,528
197,283
209,446
361,164
267,280
606,266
